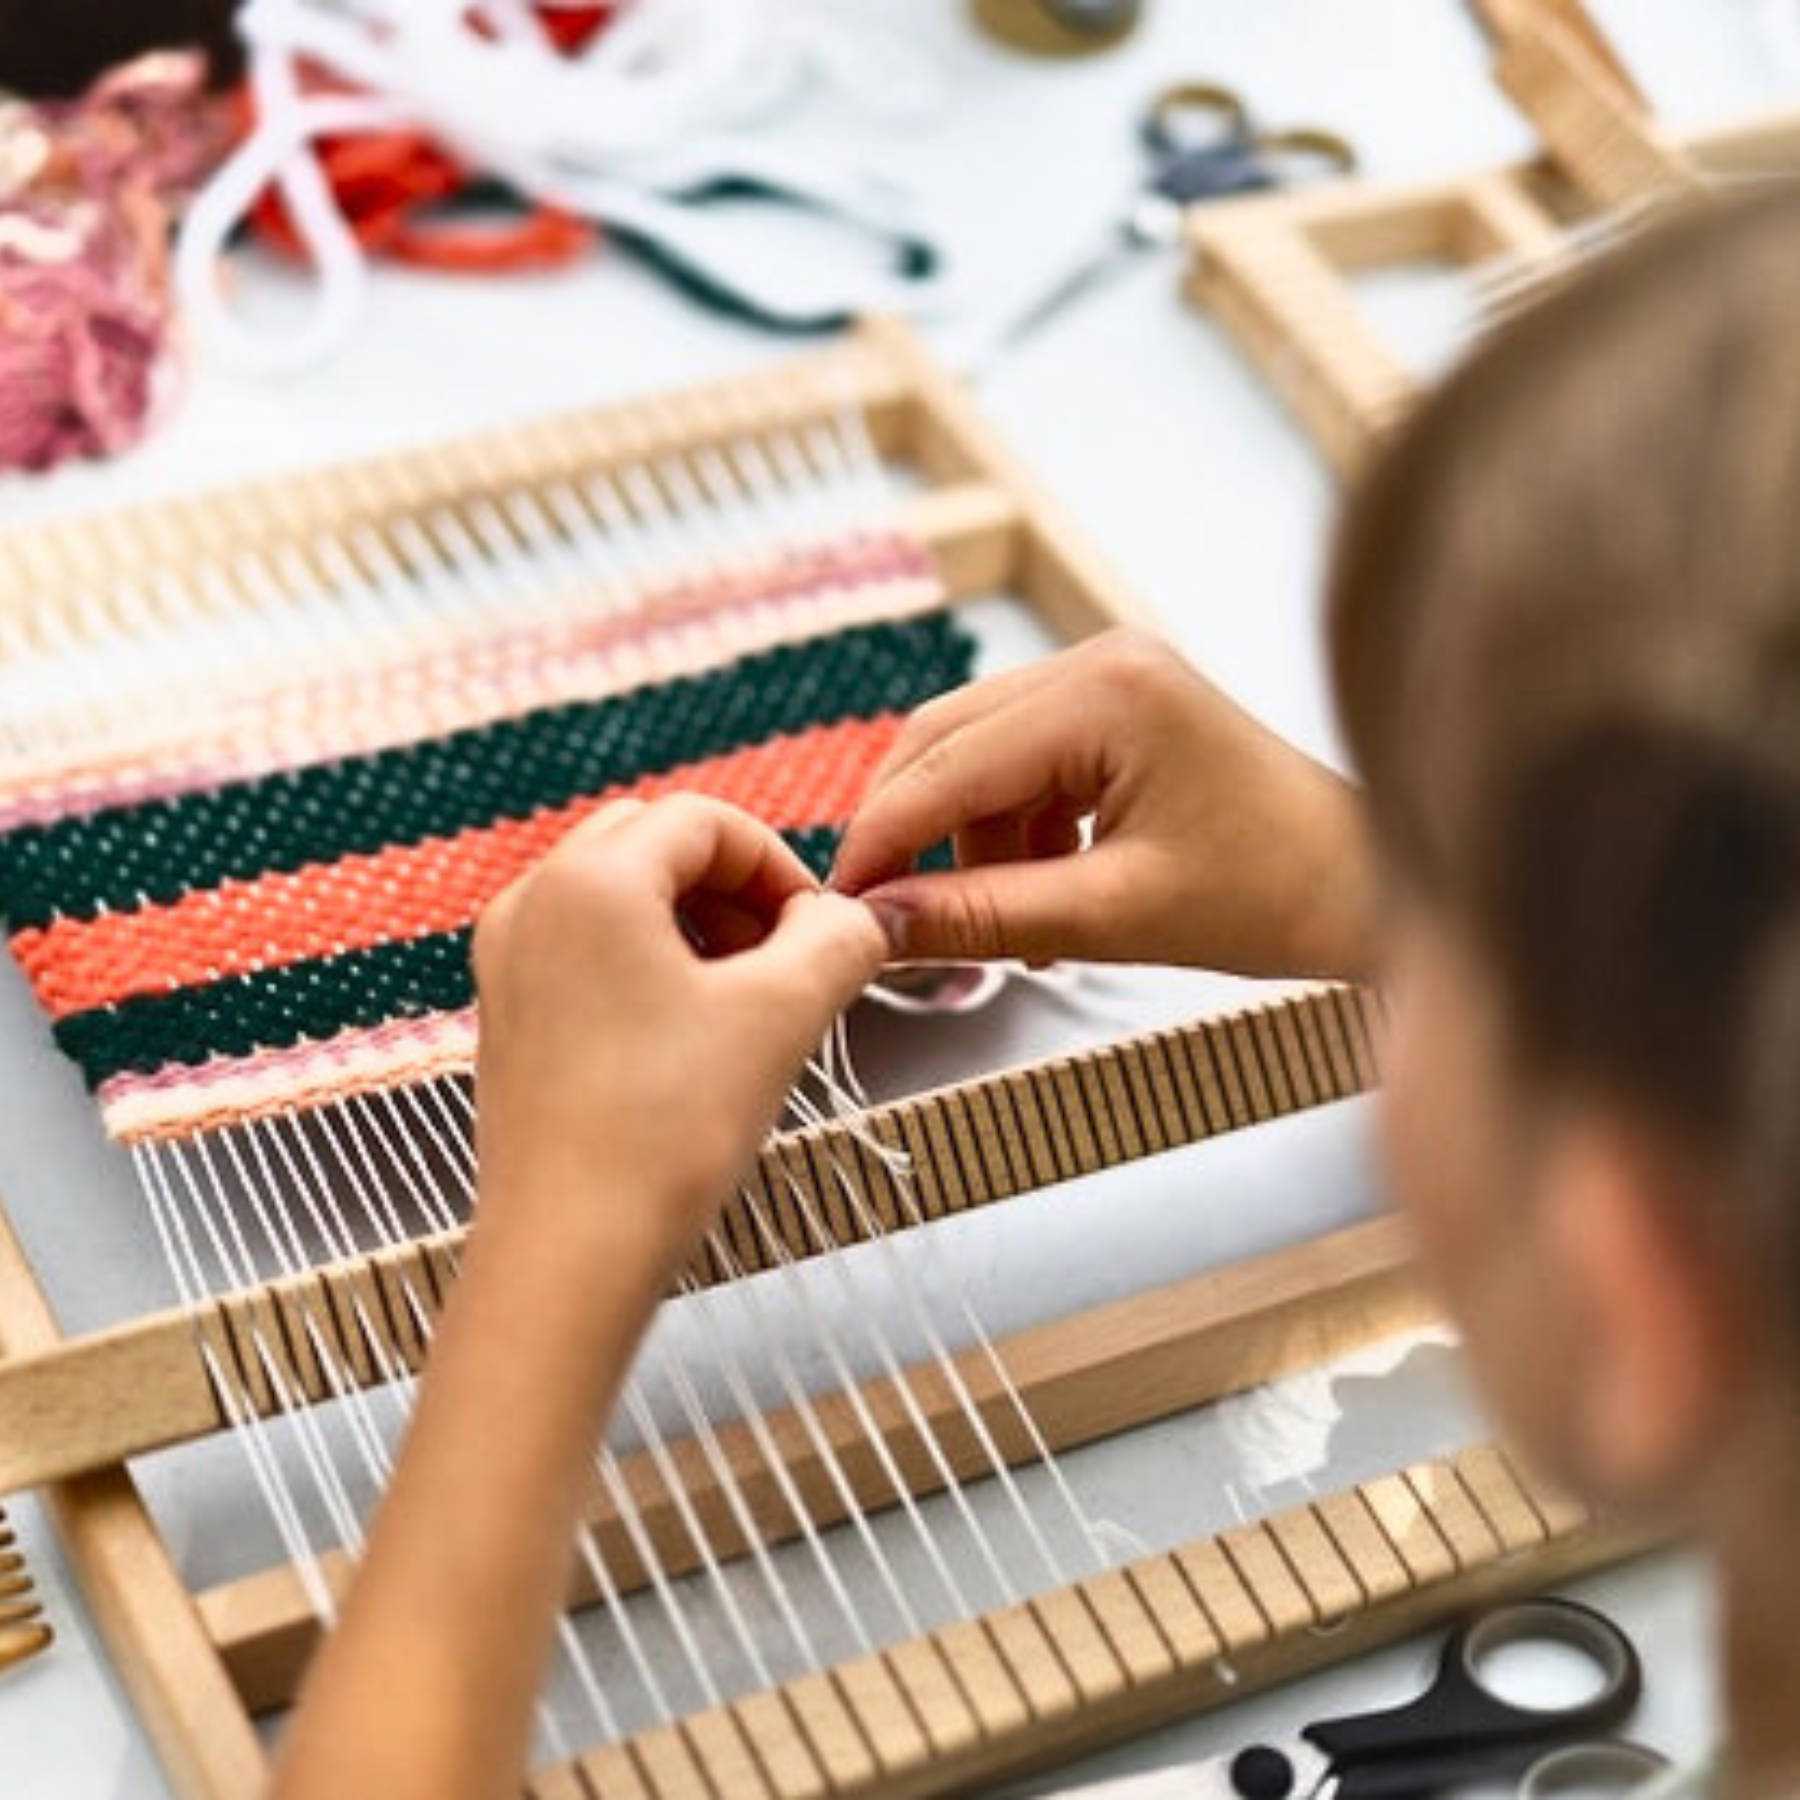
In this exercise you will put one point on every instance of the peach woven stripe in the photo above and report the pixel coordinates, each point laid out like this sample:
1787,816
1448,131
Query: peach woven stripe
815,777
176,1103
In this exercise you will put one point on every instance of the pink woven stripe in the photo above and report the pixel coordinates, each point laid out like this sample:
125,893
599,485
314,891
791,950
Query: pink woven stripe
680,630
177,1102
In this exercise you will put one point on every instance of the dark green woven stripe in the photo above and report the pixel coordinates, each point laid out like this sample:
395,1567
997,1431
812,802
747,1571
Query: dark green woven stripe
318,998
271,1010
161,849
315,999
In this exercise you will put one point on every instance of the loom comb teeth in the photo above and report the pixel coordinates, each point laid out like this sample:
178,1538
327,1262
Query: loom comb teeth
23,1631
19,1643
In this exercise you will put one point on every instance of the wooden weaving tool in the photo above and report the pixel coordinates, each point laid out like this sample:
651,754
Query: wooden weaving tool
1279,272
23,1632
322,1332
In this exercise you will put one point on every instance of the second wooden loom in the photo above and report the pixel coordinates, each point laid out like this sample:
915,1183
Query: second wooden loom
1279,272
1068,1670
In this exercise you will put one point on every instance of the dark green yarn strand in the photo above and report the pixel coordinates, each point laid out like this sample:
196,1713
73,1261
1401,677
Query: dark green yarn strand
315,999
159,850
273,1009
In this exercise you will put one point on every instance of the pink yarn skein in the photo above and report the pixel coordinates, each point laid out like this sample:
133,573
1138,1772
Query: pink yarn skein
87,192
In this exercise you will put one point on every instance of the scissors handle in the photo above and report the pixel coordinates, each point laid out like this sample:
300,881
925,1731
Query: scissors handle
1582,1767
1460,1726
1194,115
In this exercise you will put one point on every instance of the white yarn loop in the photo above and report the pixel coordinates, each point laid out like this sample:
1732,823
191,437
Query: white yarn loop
658,104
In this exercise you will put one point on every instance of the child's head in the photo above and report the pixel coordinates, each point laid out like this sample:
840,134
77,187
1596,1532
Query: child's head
1565,623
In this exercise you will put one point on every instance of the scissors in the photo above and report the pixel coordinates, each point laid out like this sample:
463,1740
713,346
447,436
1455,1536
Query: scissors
1459,1733
1202,143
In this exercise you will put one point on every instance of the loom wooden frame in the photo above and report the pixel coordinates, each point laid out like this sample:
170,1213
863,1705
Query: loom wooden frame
1278,271
1071,1669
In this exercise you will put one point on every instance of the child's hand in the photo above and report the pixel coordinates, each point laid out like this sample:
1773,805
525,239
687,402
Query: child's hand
1215,843
648,994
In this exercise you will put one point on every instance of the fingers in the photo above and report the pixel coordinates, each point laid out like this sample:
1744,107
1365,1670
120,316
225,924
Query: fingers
1055,830
613,814
497,915
936,719
716,925
825,949
1009,761
991,841
1076,906
688,845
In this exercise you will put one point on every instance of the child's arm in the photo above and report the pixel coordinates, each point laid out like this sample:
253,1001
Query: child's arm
1215,843
624,1080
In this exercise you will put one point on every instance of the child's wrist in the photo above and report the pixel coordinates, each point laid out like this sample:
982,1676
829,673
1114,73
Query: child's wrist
581,1225
1336,911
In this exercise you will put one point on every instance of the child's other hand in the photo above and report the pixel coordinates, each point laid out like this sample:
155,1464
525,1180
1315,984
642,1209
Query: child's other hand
648,994
1214,842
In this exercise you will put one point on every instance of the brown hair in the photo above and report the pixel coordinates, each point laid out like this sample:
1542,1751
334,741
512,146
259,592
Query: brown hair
1565,633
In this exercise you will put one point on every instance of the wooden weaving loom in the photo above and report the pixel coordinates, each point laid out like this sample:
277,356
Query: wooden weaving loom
1062,1669
1278,271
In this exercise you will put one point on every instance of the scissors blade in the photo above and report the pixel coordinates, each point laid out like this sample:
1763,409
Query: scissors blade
1089,271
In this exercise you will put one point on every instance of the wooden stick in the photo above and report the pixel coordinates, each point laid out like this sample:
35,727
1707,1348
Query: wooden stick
1600,137
1056,569
1302,328
1084,1377
1275,270
1122,1652
1507,18
156,1381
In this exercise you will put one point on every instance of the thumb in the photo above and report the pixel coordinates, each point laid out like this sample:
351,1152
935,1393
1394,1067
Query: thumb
1067,906
825,949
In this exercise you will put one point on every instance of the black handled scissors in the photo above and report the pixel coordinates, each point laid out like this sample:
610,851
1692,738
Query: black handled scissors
1459,1732
1202,143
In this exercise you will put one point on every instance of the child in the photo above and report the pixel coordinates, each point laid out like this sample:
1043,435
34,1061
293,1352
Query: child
1565,630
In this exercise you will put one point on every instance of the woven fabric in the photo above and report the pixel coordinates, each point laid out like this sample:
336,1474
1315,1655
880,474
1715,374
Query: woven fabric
184,944
178,1101
321,910
159,850
434,677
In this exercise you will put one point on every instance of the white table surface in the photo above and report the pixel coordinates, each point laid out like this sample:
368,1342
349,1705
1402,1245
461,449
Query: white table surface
1160,442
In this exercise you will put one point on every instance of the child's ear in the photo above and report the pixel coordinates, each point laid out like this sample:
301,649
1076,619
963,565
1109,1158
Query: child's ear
1660,1329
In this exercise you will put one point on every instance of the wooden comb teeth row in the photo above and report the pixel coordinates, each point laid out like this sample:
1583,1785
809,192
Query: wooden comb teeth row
23,1630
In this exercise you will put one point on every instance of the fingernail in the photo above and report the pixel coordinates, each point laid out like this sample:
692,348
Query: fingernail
895,921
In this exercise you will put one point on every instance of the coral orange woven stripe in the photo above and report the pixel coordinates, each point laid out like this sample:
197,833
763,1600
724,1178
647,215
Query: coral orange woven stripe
155,853
813,777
